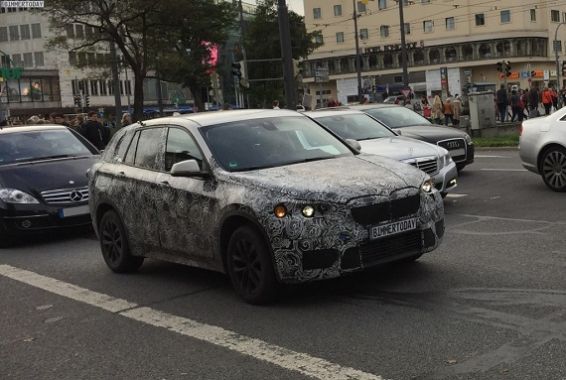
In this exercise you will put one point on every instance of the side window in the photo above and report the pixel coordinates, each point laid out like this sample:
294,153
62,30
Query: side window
132,150
180,147
148,149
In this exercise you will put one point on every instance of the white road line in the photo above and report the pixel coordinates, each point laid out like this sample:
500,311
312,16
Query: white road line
488,156
502,170
450,195
295,361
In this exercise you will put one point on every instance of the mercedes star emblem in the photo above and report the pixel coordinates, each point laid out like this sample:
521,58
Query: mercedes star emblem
76,196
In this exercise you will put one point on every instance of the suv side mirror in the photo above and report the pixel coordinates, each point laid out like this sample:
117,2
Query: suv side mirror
187,168
354,144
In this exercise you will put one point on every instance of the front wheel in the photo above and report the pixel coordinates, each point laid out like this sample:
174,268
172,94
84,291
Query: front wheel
114,245
249,265
553,168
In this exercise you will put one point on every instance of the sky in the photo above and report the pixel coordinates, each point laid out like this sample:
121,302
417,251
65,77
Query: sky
296,5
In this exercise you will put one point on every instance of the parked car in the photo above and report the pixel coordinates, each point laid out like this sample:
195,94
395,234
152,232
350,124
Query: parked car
43,184
267,196
408,123
375,138
542,148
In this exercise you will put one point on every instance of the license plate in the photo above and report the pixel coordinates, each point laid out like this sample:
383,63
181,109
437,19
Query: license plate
393,228
73,211
457,152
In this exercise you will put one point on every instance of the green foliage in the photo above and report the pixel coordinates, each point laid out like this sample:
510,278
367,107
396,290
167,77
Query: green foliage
497,141
262,42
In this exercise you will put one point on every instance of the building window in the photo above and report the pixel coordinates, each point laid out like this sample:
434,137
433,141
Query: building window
28,60
128,86
427,26
14,33
382,4
35,30
425,1
70,31
406,3
79,31
17,59
82,59
94,87
361,7
3,34
364,34
110,87
505,16
564,17
340,37
533,15
75,87
38,58
450,23
557,46
384,31
25,32
73,58
319,39
407,28
555,16
103,90
338,10
91,59
480,19
316,13
121,87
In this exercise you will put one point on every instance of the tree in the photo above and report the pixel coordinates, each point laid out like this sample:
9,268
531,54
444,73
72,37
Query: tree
202,28
261,41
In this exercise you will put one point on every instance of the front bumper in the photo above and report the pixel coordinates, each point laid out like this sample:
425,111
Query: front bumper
332,244
445,179
17,220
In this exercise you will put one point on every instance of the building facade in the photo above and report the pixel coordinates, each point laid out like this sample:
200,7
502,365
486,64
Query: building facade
56,80
451,45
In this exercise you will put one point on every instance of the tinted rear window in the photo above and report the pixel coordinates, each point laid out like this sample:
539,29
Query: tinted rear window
41,145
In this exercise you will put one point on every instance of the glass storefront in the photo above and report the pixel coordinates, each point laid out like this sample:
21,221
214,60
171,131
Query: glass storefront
31,89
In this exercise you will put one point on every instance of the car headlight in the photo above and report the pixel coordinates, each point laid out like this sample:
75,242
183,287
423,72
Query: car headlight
308,211
16,196
468,139
427,185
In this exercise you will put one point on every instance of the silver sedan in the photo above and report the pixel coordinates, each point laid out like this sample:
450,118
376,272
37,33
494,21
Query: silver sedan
543,148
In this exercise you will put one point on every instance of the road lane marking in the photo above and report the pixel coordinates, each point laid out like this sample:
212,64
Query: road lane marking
488,156
502,170
291,360
450,195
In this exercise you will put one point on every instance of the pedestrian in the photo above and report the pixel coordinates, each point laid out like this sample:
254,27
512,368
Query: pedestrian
59,118
126,119
94,132
456,110
546,98
534,99
524,103
448,112
554,98
502,103
437,109
276,104
516,106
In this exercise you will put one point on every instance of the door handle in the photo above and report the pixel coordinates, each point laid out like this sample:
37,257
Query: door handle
121,174
165,183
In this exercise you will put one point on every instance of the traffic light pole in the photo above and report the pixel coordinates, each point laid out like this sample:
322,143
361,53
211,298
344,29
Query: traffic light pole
557,62
287,56
358,58
116,84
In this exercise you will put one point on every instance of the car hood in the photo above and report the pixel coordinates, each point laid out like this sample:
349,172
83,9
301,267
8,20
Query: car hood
334,180
35,177
430,133
399,148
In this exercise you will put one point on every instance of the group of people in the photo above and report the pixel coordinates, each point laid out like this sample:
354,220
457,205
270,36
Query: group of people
447,111
94,128
525,103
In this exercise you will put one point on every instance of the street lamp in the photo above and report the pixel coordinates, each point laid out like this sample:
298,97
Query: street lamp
555,46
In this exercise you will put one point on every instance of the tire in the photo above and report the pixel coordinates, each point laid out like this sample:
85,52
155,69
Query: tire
114,245
249,266
460,167
553,168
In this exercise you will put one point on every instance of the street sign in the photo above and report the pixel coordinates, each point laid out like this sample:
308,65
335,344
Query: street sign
321,75
13,73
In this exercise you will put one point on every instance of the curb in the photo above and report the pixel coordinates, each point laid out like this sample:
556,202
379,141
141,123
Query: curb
503,148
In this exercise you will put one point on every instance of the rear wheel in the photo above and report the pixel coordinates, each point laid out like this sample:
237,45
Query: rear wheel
114,245
249,265
553,168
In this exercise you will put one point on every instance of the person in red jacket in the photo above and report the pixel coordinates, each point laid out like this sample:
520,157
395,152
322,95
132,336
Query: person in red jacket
546,98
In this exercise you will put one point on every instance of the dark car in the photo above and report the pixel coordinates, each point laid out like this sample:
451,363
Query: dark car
43,182
268,196
408,123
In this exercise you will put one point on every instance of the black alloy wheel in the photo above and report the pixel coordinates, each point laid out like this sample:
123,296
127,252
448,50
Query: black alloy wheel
114,245
249,265
553,168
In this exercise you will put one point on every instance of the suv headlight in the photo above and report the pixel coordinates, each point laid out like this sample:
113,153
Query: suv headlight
468,139
427,185
16,196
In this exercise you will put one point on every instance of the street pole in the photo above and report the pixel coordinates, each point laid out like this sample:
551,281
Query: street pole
127,93
557,62
244,56
403,45
158,88
116,84
358,63
287,56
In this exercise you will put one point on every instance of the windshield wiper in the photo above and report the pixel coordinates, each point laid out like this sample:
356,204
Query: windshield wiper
371,138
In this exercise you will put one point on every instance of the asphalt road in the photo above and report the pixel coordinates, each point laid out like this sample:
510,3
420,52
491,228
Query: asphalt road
490,303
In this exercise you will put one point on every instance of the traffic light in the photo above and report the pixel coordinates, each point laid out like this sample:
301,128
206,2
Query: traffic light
237,69
564,68
500,67
78,101
507,66
87,100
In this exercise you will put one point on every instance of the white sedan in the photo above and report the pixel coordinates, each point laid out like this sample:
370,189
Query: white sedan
542,148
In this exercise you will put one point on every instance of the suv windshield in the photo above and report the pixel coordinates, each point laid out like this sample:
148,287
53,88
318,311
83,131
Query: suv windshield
269,142
40,145
397,117
355,126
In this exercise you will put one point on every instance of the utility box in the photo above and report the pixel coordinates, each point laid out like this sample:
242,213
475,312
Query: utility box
482,110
